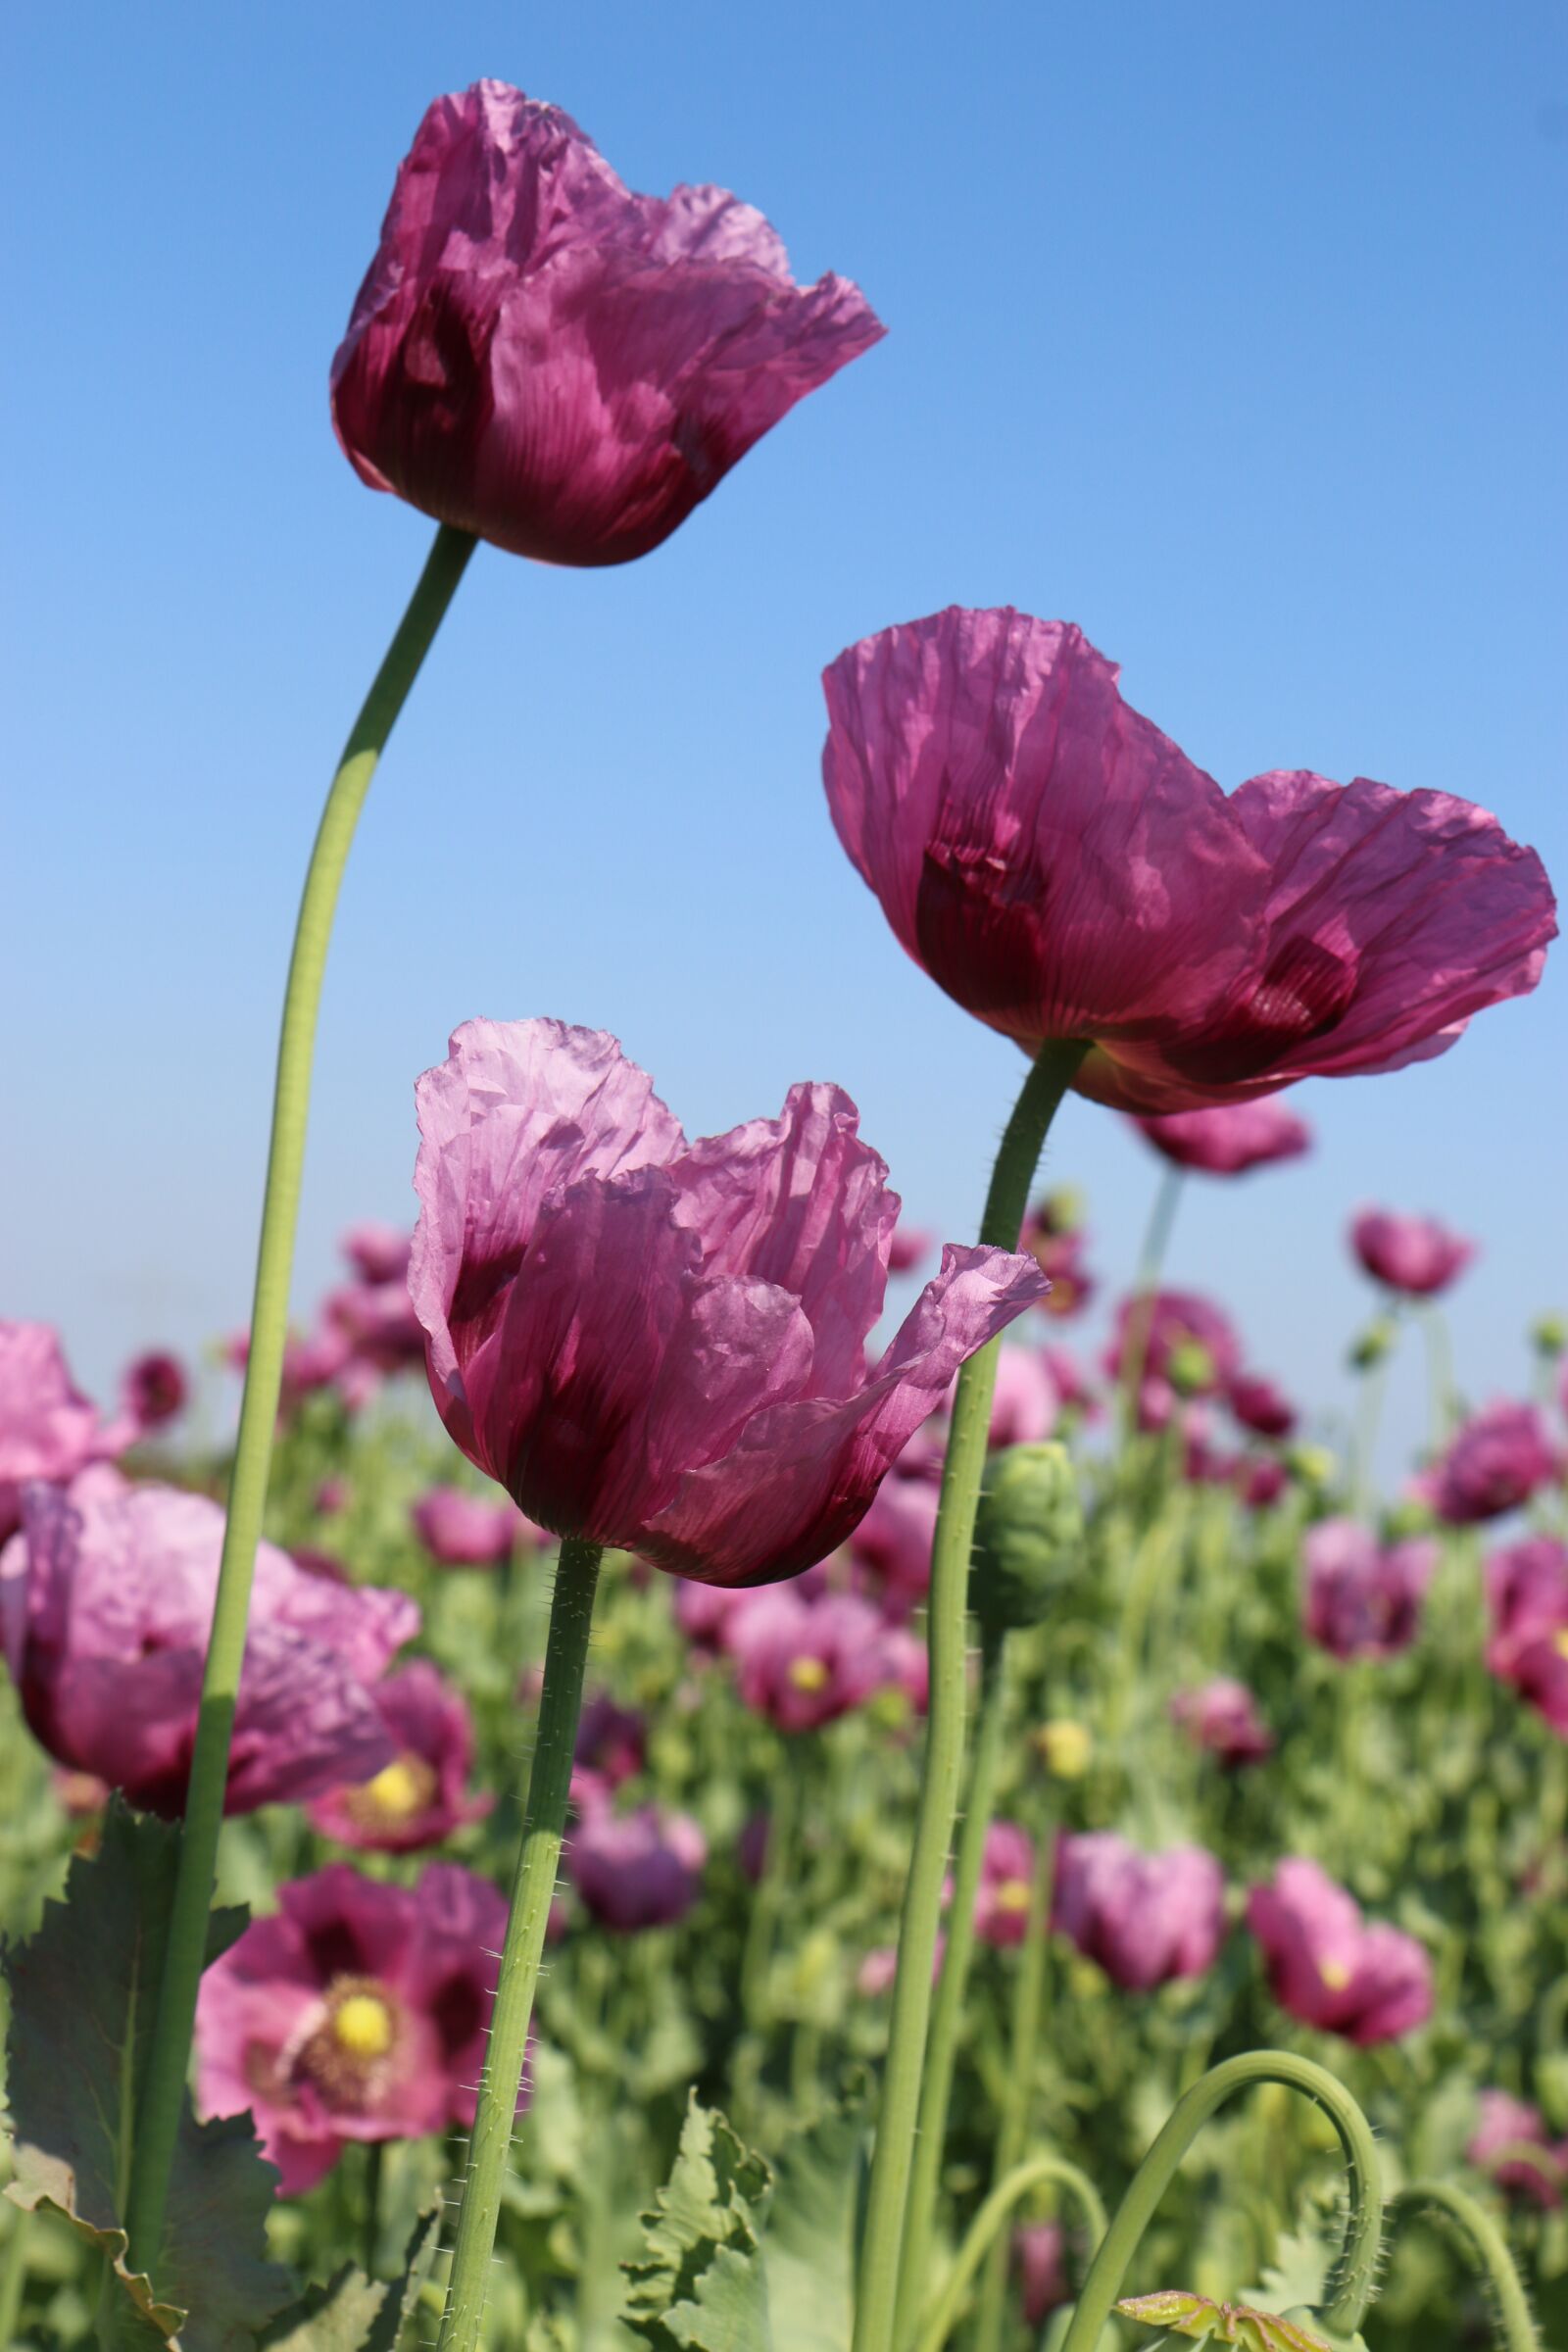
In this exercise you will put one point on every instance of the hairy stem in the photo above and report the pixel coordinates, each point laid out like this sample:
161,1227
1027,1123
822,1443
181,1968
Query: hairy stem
984,2234
1487,2251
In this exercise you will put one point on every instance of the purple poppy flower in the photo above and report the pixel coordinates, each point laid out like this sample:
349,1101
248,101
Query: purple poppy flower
1074,1389
567,370
1222,1718
1061,870
379,1322
1145,1918
1191,1344
423,1796
636,1870
106,1602
1040,2261
1001,1898
378,1253
659,1344
893,1542
357,2011
802,1663
612,1748
1500,1457
153,1390
1230,1138
47,1428
1363,1599
468,1530
908,1246
1262,1406
1413,1254
1328,1968
1510,2144
1527,1596
1260,1479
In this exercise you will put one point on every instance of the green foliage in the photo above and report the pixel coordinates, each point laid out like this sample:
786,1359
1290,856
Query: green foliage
1027,1530
356,2314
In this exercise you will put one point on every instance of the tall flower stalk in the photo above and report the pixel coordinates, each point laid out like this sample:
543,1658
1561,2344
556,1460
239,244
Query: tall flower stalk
876,2302
163,2084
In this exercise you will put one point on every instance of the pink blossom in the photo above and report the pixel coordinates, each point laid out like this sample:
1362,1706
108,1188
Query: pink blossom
1222,1718
1500,1457
423,1796
379,1322
612,1748
1191,1342
1145,1918
466,1530
153,1390
47,1428
1510,2144
1328,1968
1007,1872
636,1870
892,1542
1527,1596
703,1611
1413,1254
661,1346
106,1601
541,357
1040,2259
1260,1479
378,1253
1061,870
1230,1138
357,2011
1074,1389
877,1970
1262,1406
1362,1597
804,1663
1057,1241
908,1246
905,1661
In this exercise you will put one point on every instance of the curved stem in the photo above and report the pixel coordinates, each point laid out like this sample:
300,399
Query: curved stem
946,2009
1488,2250
168,2054
549,1783
1363,2230
1018,1157
1146,1285
1029,2002
984,2228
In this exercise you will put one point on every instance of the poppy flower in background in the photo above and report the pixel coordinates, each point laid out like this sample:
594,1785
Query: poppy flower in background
1526,1599
612,1748
1145,1918
658,1344
564,367
1510,2144
1064,872
153,1390
893,1542
1190,1345
378,1252
1001,1898
804,1662
106,1601
1363,1599
1496,1462
908,1246
636,1870
1261,1405
357,2011
1229,1140
1413,1254
468,1530
1222,1718
423,1796
1040,2264
1328,1968
47,1428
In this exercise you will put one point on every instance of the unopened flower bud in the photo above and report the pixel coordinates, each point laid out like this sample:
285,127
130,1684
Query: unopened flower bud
1550,1335
1372,1345
1313,1465
1027,1531
1189,1368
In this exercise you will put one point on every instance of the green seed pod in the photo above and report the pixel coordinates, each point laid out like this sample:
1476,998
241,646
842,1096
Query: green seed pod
1189,1368
1372,1345
1550,1336
1026,1537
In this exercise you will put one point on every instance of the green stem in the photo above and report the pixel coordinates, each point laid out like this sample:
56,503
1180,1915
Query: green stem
1049,1078
1374,1381
984,2234
1488,2250
1439,1372
1029,2004
14,2275
375,2151
1363,2231
947,2011
169,2054
549,1783
757,1960
1146,1287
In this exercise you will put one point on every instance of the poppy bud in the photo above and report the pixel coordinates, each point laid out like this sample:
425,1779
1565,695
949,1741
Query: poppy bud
1027,1530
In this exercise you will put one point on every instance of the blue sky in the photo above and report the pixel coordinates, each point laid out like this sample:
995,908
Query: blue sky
1236,335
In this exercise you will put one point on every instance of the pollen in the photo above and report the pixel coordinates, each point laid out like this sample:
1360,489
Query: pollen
1336,1973
363,2025
808,1674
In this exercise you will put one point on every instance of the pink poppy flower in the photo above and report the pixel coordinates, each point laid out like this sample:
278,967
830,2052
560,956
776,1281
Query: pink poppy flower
704,1612
1074,1389
153,1390
893,1542
1040,2262
378,1253
312,1361
1527,1596
612,1748
908,1246
877,1970
1001,1898
1061,870
567,370
47,1428
423,1796
1500,1457
636,1870
1055,1238
357,2011
1328,1968
802,1663
1260,1479
905,1664
1510,2144
1145,1918
1230,1138
1413,1254
1192,1344
1262,1406
106,1602
466,1531
1362,1597
379,1324
659,1344
1222,1718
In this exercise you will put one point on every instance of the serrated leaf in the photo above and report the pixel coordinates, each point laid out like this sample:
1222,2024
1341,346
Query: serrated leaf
730,2310
82,1998
1197,2317
356,2314
715,2197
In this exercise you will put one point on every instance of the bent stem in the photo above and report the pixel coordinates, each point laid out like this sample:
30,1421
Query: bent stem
168,2054
947,2011
876,2298
549,1783
984,2234
1029,2002
1487,2251
1363,2230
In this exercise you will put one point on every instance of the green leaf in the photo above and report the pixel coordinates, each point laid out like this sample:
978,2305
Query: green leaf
715,2199
1195,2316
356,2314
809,2248
84,1992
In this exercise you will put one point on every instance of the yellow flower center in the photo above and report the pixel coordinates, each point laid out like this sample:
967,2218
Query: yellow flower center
400,1789
1559,1643
808,1674
1334,1974
1012,1894
363,2025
